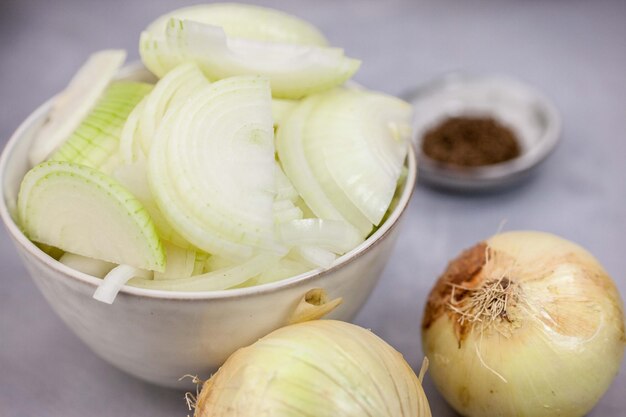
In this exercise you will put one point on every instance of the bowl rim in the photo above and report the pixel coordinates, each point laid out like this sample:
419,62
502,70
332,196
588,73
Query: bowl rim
485,176
83,278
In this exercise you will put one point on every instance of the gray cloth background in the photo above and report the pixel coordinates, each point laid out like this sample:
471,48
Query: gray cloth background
575,51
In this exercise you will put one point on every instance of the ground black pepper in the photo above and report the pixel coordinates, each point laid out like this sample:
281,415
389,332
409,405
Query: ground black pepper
470,142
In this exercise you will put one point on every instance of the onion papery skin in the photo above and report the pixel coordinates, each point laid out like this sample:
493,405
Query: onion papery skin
321,368
552,351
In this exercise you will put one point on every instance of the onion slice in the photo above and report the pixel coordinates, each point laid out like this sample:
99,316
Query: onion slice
221,279
285,268
97,139
129,148
180,263
281,109
294,71
248,22
71,106
356,142
290,148
80,210
134,178
169,91
211,168
90,266
313,256
113,282
284,188
334,235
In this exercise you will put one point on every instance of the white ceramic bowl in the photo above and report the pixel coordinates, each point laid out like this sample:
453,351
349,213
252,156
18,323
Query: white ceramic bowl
160,336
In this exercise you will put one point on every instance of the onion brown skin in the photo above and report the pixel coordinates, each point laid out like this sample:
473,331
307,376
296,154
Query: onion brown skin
553,351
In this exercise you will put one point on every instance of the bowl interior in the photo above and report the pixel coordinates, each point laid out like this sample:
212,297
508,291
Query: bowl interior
14,165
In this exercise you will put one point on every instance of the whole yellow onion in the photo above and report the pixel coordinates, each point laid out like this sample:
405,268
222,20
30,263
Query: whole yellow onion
320,368
524,324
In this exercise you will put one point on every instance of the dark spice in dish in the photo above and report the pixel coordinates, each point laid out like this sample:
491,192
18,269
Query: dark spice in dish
470,142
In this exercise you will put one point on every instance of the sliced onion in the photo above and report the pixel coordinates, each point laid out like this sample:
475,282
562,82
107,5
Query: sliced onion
180,263
290,148
285,210
334,235
134,178
175,87
284,188
281,109
129,148
315,150
169,91
90,266
285,268
81,210
361,139
74,103
114,281
294,71
216,262
200,263
248,22
211,168
313,256
315,186
307,213
221,279
96,141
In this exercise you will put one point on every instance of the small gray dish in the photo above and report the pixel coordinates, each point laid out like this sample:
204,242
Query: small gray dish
527,112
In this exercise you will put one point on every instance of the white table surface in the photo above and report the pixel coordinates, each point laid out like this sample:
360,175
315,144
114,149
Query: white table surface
575,51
